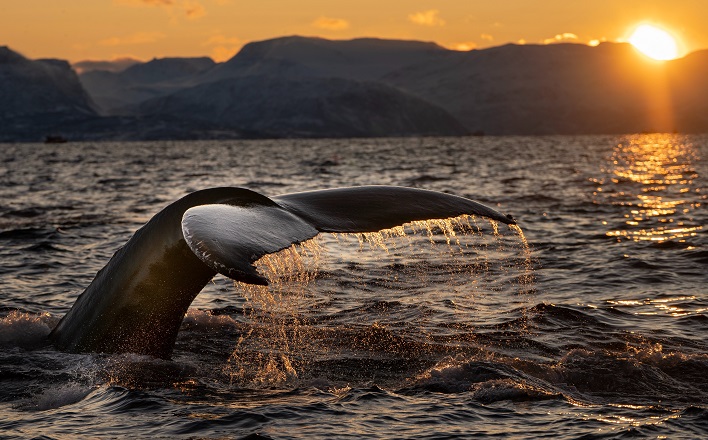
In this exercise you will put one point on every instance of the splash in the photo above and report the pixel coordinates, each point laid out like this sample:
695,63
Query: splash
25,329
264,356
406,286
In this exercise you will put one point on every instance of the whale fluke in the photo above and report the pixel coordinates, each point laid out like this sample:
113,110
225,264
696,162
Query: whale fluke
137,302
229,239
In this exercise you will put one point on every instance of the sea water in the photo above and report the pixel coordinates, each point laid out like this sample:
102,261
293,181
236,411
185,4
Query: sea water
587,322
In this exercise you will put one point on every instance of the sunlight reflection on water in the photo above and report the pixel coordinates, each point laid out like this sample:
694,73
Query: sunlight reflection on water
654,177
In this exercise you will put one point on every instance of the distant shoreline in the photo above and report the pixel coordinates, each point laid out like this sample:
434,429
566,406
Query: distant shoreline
300,87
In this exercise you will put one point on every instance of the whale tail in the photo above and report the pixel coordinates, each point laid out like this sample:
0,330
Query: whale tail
137,302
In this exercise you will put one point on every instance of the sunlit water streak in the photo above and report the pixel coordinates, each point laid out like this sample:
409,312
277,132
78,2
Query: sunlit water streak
596,329
654,178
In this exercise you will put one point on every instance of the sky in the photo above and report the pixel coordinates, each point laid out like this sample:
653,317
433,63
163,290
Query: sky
78,30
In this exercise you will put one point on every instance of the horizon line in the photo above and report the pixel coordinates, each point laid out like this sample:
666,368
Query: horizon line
314,37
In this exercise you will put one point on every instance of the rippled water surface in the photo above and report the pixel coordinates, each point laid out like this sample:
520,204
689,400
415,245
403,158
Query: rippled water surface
442,330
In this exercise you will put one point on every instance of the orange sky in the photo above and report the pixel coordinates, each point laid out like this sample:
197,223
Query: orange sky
106,29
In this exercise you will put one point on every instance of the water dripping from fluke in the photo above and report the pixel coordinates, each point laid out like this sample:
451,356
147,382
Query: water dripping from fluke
416,286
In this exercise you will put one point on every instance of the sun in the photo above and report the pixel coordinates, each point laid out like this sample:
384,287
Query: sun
654,42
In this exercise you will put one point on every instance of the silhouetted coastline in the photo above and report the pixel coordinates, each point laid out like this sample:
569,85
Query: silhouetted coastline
298,87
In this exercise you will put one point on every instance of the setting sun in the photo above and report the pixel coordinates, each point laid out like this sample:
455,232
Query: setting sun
654,42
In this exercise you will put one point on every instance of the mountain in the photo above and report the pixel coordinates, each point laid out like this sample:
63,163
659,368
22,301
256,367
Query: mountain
361,59
300,86
511,89
689,91
38,96
113,91
269,106
553,89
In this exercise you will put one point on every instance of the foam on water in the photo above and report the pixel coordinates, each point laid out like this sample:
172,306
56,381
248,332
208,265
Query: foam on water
206,320
26,330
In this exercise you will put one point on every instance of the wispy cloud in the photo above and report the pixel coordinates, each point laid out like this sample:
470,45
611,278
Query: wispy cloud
116,64
486,37
223,47
220,39
331,24
561,38
145,2
223,53
427,18
464,47
133,39
191,9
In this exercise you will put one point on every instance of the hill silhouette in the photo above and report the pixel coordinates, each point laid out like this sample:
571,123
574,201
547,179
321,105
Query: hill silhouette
300,86
113,91
558,89
271,106
38,96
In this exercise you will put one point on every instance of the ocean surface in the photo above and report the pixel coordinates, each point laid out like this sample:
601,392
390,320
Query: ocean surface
590,322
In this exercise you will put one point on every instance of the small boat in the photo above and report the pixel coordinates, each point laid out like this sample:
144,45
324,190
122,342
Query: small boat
55,140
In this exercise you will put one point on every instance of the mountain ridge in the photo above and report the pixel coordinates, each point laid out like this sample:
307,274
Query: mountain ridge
39,95
511,89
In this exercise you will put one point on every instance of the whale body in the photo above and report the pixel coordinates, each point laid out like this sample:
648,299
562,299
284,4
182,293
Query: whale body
136,303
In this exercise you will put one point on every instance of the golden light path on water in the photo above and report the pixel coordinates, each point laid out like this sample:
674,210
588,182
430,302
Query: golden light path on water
654,177
441,261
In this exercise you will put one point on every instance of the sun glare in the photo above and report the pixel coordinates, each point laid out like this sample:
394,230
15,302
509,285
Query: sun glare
654,42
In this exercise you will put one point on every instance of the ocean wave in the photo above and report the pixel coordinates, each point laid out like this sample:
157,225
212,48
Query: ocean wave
56,397
25,330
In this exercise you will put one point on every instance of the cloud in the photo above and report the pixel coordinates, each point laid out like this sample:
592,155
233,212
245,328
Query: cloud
223,47
427,18
331,24
116,64
464,47
133,39
486,37
561,38
223,53
145,2
221,40
192,9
